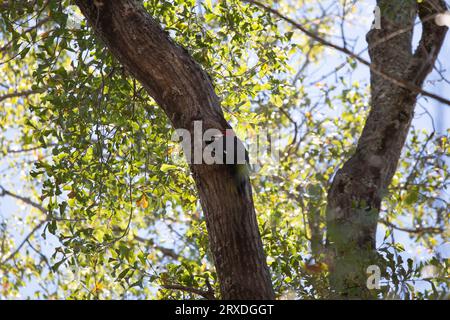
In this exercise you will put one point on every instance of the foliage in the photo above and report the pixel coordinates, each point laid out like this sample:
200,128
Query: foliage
116,214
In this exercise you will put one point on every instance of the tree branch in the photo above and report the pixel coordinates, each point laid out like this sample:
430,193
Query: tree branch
165,251
420,230
23,199
358,188
37,25
411,86
209,295
24,241
186,94
20,94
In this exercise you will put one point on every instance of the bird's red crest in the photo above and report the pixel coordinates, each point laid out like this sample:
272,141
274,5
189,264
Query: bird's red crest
228,132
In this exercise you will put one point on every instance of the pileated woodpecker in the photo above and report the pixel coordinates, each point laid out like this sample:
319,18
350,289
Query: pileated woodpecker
229,150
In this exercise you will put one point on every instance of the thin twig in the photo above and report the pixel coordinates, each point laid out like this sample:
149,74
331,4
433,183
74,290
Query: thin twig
419,230
21,94
203,293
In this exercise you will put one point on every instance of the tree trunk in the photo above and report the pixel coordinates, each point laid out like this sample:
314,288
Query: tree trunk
184,91
355,196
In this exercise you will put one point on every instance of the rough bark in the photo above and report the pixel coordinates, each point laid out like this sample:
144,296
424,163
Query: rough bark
185,92
355,196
